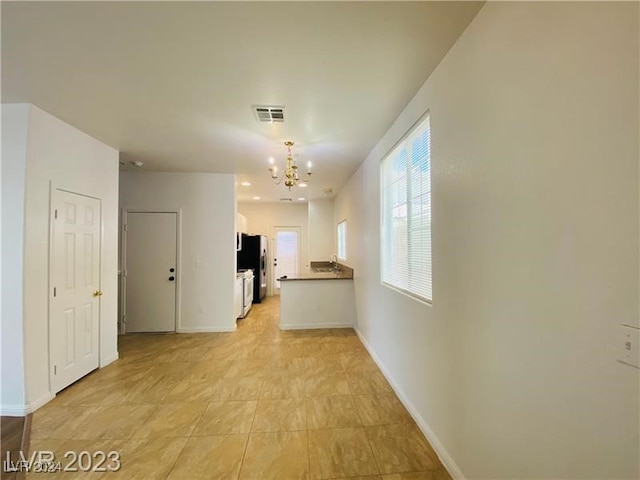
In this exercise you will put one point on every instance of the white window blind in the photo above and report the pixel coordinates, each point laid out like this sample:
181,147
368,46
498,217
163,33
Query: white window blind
342,240
406,214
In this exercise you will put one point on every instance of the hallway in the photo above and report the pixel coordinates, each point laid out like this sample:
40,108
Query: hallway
255,403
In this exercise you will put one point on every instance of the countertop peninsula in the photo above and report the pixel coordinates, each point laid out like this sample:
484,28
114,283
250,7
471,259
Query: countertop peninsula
322,271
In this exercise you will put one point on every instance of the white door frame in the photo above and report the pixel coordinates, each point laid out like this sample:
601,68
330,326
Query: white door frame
274,229
123,263
52,188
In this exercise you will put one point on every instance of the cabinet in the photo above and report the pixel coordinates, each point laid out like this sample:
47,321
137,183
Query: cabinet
241,227
237,303
241,223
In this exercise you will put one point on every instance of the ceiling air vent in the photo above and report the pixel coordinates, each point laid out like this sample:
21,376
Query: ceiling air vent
286,199
269,113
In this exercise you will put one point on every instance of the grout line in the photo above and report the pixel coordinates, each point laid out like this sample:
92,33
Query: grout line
253,419
195,424
362,426
308,452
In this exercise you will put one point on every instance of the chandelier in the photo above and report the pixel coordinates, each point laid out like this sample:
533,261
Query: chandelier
290,174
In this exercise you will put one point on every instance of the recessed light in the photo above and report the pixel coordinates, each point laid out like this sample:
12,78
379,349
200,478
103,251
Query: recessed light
246,184
256,198
300,198
302,185
271,160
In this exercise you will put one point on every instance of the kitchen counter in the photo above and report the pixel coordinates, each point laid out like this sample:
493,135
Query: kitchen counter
316,303
318,272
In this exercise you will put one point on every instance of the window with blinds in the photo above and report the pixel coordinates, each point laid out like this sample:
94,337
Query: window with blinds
342,240
406,214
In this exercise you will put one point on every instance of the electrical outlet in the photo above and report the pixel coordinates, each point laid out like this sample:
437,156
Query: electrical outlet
628,345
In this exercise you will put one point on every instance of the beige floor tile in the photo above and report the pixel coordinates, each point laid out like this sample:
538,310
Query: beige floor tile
281,415
175,370
256,367
60,422
114,422
332,412
442,474
323,366
286,351
193,391
368,382
367,477
174,420
326,385
212,457
401,448
150,458
185,354
339,453
381,409
277,456
167,390
91,393
144,459
206,371
294,366
433,475
237,388
283,387
358,363
222,418
45,444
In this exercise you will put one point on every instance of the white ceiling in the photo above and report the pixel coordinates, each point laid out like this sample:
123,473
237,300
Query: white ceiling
171,84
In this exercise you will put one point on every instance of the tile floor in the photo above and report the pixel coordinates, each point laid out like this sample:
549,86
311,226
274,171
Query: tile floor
258,403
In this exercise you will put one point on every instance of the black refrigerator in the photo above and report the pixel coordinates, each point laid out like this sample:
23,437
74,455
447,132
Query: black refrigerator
253,254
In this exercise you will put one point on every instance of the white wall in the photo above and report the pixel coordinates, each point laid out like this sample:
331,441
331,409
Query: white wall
208,208
512,371
322,230
40,151
15,121
61,156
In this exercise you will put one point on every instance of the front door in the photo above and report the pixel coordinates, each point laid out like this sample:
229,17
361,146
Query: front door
150,271
286,255
74,316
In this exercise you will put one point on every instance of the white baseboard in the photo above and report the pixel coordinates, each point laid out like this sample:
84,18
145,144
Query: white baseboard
431,437
13,410
206,329
313,326
109,360
22,410
46,398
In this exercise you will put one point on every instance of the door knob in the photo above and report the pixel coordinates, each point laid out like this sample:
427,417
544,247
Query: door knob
172,278
97,293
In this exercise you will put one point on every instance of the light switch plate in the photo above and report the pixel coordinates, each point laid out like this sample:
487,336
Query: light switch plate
629,345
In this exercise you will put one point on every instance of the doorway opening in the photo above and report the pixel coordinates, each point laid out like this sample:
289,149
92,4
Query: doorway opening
286,254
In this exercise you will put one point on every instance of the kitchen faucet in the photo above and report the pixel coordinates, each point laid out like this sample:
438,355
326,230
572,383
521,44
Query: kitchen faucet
334,260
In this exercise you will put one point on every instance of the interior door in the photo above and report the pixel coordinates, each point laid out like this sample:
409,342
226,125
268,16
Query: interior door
150,271
74,316
286,255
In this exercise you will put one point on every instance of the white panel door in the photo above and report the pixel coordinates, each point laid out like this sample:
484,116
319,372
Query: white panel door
286,255
75,276
150,271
